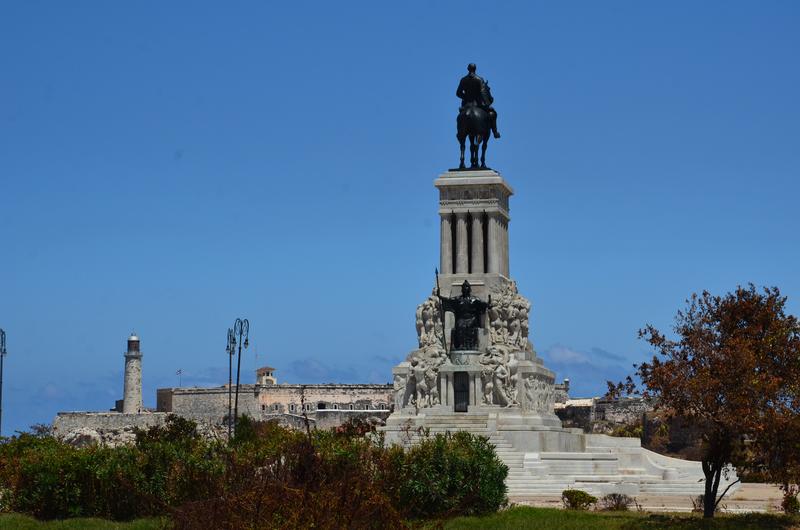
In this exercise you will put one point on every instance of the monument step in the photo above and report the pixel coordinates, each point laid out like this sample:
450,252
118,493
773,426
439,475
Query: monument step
550,490
655,486
577,456
437,418
458,426
615,478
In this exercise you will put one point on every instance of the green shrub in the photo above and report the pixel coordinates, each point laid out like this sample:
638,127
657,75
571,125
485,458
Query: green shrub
577,500
167,466
54,480
445,475
628,431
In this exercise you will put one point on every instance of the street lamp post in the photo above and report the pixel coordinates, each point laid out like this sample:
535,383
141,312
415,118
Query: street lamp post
2,357
241,328
230,349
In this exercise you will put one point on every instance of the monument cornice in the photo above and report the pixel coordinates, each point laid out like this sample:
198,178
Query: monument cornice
473,178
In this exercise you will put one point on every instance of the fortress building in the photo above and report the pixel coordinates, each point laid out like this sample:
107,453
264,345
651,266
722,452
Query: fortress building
321,405
324,405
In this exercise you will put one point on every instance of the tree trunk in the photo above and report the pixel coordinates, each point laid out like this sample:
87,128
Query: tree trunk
712,472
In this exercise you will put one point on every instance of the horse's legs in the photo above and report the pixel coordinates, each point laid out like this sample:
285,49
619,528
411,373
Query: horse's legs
461,140
483,151
473,151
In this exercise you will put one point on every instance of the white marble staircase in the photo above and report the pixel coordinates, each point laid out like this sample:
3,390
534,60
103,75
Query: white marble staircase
606,465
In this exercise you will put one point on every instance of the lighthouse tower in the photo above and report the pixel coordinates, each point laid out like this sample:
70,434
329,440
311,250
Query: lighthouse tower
132,396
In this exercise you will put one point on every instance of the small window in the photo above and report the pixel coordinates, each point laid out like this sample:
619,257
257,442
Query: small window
351,406
382,406
263,407
275,406
291,407
320,406
336,407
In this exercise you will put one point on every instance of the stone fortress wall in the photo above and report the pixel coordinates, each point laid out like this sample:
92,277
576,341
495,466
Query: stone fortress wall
321,406
273,401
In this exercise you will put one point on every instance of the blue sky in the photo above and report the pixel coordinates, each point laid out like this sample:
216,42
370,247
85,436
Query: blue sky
167,167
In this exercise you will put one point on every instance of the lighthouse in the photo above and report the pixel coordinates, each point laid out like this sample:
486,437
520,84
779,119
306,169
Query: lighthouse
132,396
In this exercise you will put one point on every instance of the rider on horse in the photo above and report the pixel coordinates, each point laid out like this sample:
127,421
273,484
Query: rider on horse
474,91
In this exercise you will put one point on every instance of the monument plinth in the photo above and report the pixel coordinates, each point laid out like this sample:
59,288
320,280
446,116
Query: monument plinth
499,373
473,207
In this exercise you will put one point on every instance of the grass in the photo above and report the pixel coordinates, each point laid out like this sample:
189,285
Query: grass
15,521
555,519
521,517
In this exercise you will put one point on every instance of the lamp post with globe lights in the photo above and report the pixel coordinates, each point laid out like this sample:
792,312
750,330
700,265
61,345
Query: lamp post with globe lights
241,334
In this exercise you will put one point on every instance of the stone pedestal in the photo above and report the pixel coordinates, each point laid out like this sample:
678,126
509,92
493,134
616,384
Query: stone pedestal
473,206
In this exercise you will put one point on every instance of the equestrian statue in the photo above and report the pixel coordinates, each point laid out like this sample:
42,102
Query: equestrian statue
476,117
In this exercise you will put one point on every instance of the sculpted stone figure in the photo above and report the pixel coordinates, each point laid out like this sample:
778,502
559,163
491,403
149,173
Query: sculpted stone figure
490,361
468,311
421,387
430,329
539,395
511,380
401,394
508,319
499,376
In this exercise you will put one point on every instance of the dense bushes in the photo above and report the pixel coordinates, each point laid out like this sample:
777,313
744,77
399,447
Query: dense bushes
451,474
166,466
577,500
267,477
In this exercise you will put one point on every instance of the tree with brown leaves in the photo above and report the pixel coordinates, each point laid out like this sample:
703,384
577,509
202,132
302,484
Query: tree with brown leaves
733,371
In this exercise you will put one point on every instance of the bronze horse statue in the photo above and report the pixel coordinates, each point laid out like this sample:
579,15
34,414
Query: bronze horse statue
473,122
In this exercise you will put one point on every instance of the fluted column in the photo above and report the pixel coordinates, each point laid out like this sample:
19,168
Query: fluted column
493,245
477,244
462,243
505,249
446,254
